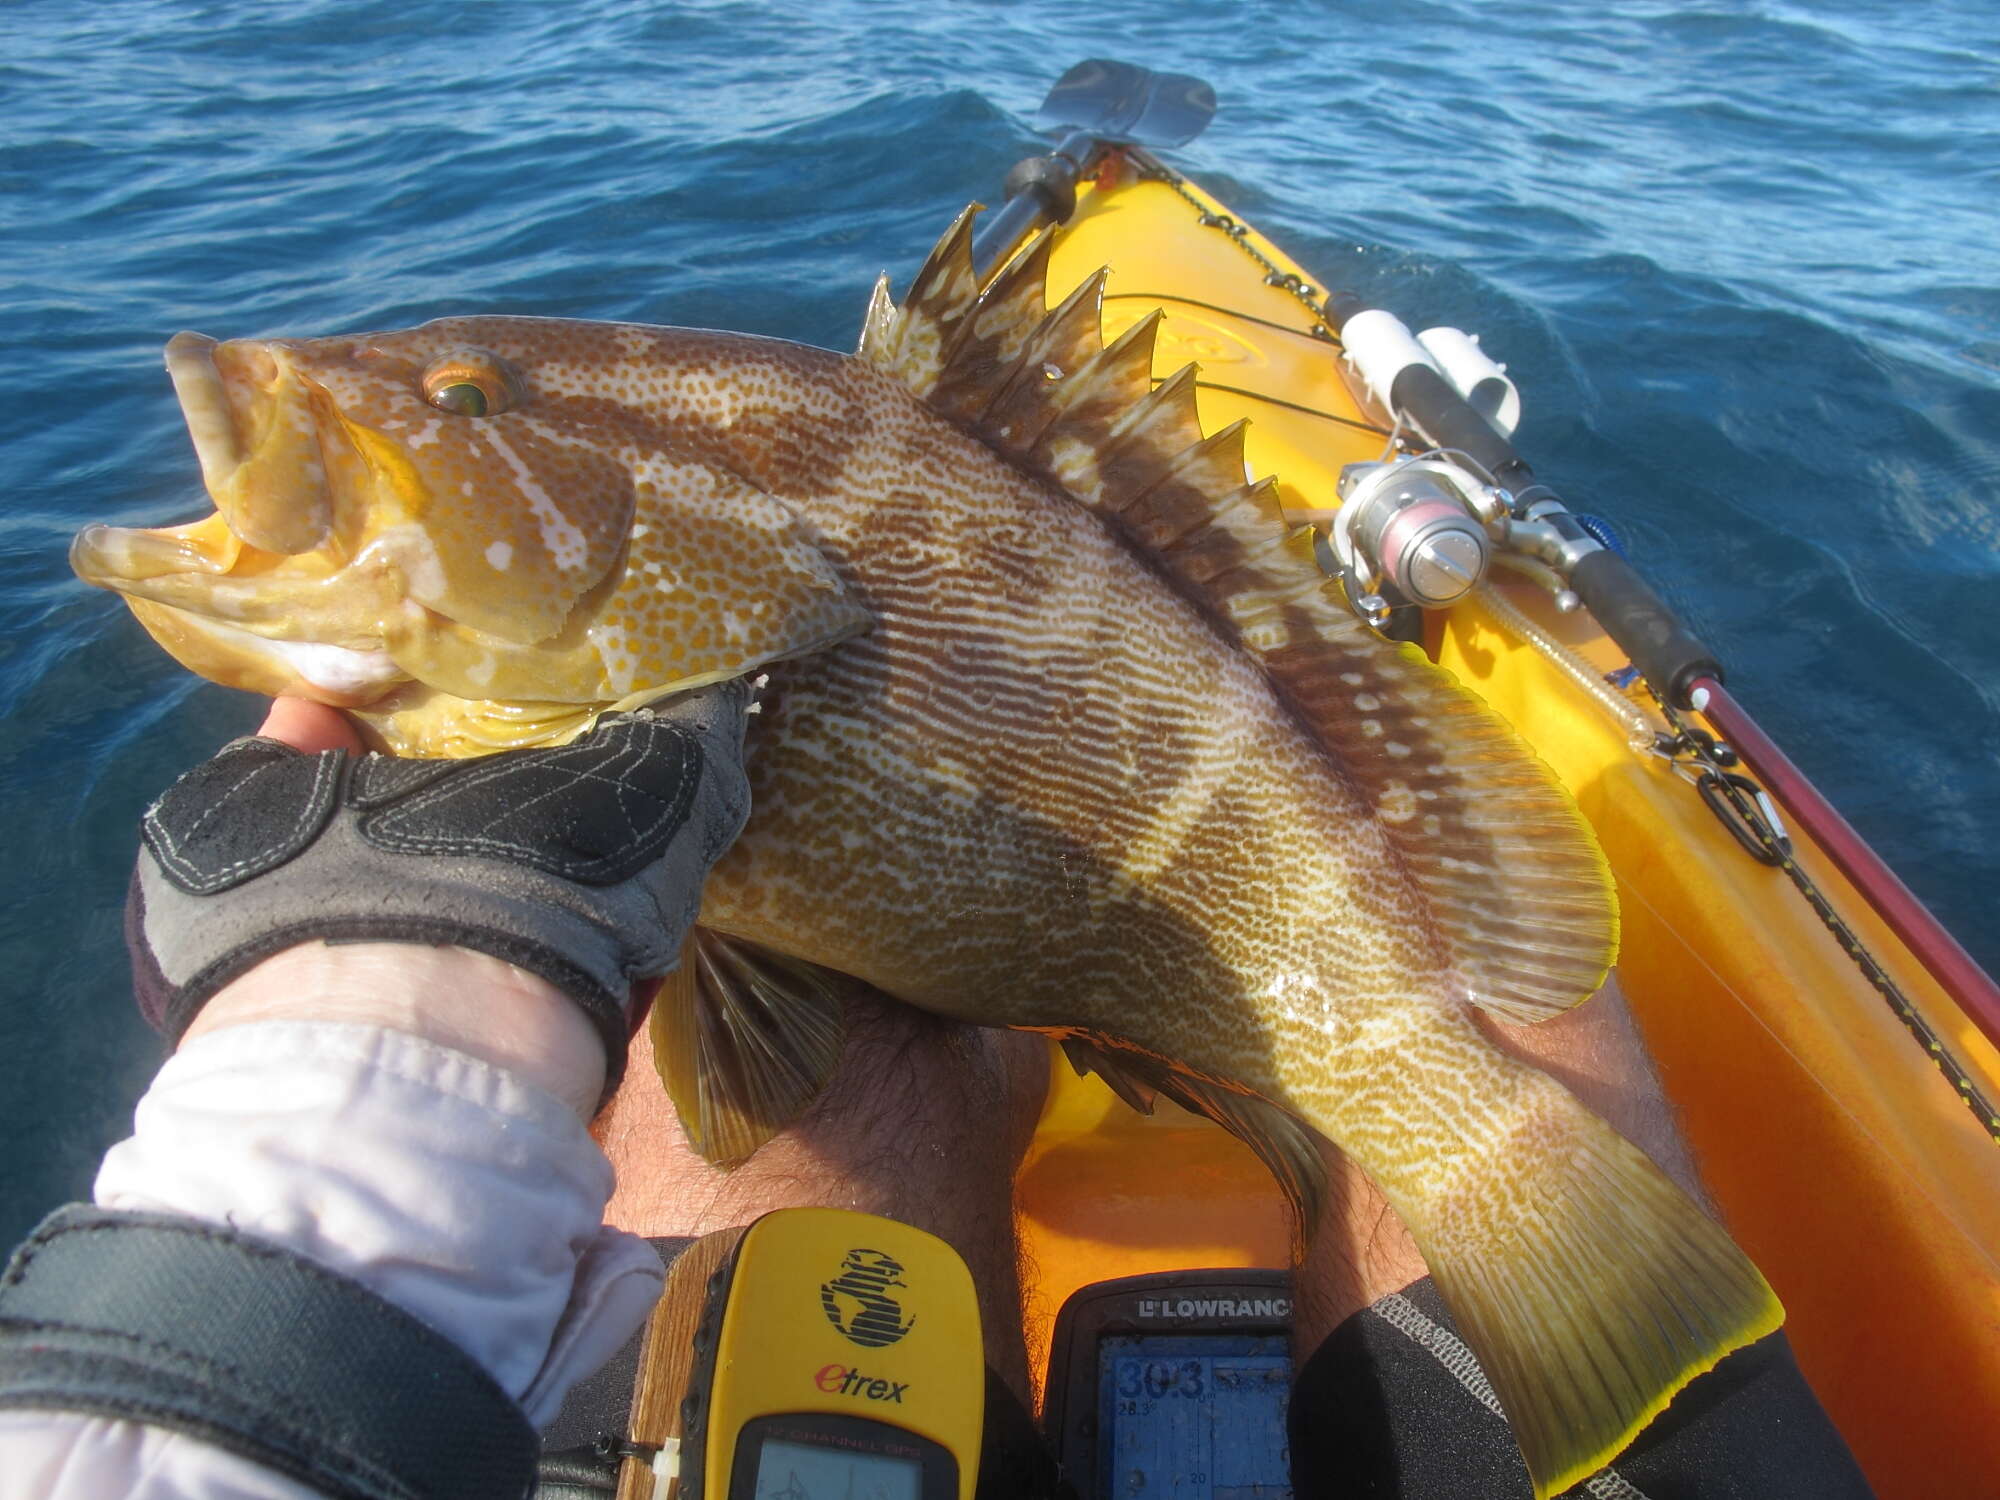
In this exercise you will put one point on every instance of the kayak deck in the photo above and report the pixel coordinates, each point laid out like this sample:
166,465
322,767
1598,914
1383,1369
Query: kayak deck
1840,1157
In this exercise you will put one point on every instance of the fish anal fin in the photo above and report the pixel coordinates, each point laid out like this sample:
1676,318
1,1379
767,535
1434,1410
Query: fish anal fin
1591,1288
1285,1146
744,1039
1087,1059
1288,1149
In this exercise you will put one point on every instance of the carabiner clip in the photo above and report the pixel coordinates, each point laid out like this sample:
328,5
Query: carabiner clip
1747,813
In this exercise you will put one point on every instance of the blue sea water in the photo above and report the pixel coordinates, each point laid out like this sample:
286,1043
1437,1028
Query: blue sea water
1740,257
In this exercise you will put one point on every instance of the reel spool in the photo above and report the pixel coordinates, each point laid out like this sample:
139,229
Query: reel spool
1411,531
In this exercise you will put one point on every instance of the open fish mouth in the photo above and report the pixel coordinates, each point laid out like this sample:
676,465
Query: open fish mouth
256,438
239,596
205,407
433,527
251,418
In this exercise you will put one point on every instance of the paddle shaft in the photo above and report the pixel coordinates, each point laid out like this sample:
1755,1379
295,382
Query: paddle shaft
1031,208
1100,102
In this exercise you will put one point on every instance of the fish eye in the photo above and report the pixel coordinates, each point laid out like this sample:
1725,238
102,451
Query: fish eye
472,383
463,397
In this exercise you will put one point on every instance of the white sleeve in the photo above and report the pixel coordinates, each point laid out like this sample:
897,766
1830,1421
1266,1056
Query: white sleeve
448,1186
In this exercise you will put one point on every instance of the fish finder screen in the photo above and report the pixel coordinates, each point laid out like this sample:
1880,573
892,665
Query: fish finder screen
1196,1416
803,1471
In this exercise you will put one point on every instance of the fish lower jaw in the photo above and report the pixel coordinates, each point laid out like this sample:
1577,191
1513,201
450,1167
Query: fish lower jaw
339,676
339,669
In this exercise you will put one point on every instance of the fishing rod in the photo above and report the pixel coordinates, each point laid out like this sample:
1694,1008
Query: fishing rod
1405,526
1422,529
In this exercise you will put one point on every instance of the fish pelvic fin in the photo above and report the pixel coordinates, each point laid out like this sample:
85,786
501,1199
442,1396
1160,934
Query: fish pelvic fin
1518,892
744,1040
1591,1288
1288,1149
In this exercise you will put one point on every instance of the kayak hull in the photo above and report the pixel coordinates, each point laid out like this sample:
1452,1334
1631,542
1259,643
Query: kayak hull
1839,1155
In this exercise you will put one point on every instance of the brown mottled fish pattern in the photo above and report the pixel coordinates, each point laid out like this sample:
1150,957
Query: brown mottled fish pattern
1063,730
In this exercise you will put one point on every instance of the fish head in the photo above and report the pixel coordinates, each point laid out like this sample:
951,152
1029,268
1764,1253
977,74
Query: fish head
475,533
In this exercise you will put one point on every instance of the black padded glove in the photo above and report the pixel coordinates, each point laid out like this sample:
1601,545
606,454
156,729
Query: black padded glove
582,864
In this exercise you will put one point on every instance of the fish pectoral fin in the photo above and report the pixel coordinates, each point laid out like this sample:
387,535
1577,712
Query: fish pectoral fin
1286,1146
1591,1288
744,1039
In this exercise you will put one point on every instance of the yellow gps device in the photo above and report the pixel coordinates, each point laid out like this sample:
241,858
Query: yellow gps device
832,1354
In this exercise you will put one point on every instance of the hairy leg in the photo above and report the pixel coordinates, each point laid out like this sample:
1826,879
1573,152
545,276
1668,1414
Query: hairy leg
1360,1251
924,1123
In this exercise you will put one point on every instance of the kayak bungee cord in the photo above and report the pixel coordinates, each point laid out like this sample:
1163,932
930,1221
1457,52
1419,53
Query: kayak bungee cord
1751,818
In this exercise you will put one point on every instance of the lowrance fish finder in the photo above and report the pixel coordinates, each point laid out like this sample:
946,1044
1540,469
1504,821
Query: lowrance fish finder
1174,1386
819,1353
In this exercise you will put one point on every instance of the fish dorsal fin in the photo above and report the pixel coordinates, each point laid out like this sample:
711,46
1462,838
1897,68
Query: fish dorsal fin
744,1039
1511,872
911,340
1515,884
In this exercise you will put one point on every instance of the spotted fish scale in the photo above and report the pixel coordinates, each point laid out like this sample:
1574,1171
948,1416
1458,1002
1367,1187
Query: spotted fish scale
1063,730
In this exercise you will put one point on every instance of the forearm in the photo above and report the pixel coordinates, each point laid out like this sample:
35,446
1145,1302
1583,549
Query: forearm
412,1120
925,1122
458,999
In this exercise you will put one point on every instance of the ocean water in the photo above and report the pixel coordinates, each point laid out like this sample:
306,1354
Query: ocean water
1741,259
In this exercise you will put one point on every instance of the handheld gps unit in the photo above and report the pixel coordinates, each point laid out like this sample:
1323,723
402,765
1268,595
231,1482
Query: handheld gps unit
830,1354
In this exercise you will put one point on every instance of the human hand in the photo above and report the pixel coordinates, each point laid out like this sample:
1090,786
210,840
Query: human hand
578,867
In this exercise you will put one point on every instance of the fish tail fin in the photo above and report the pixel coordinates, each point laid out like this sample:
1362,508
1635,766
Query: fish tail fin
1591,1288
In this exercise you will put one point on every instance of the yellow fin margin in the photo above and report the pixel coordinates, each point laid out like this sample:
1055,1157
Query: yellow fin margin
1592,1289
744,1039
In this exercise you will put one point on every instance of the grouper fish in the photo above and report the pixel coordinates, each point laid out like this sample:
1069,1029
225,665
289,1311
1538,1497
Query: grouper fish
1063,730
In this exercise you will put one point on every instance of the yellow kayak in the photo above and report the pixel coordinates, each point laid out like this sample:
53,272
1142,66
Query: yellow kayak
1842,1156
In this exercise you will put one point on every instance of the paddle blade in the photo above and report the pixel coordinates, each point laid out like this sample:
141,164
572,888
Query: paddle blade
1122,102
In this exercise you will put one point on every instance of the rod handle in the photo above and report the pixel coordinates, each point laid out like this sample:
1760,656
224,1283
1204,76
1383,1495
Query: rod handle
1661,647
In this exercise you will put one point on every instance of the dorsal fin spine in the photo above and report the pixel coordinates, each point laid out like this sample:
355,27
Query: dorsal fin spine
1483,830
1027,401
